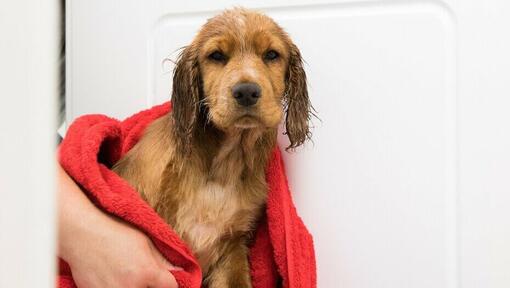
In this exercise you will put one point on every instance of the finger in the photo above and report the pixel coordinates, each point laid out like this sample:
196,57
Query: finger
161,260
165,279
163,263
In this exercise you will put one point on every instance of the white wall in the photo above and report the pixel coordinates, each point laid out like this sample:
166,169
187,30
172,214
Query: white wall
28,81
407,182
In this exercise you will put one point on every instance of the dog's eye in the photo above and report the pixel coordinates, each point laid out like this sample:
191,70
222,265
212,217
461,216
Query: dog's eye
217,56
271,55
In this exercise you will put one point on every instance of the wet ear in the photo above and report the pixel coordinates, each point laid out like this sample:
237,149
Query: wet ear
186,96
298,107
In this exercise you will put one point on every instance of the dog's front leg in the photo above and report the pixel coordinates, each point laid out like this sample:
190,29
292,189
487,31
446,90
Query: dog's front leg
232,270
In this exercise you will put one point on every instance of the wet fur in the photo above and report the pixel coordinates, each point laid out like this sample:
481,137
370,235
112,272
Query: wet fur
202,170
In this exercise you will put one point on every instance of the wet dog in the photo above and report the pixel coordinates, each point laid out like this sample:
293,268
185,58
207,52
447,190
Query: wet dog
202,167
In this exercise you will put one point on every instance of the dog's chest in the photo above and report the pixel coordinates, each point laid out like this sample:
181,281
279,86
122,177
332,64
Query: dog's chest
212,212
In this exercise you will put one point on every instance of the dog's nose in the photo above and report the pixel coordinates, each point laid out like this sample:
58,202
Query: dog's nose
246,94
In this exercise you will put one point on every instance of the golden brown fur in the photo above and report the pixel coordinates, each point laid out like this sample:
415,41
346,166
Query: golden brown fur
202,166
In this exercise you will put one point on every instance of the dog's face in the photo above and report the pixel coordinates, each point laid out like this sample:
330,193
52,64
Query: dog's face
243,67
242,70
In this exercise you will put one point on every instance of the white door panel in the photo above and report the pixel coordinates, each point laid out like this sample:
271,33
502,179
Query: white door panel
394,186
377,188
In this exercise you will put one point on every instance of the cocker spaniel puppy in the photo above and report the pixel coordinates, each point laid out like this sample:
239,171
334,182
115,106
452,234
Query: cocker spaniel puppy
202,166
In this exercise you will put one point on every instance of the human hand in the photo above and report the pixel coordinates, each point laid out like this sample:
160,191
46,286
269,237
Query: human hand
103,251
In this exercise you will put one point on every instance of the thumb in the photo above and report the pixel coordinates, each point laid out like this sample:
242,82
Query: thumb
163,263
161,260
164,279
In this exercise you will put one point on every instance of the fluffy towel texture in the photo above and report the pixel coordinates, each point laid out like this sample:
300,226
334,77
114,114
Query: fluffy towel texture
282,253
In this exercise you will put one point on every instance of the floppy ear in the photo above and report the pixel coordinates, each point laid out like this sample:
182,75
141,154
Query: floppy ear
186,96
298,107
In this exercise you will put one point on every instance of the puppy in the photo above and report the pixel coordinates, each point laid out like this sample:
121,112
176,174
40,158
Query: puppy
202,166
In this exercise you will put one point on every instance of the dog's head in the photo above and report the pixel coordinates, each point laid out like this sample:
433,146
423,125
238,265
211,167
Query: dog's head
241,71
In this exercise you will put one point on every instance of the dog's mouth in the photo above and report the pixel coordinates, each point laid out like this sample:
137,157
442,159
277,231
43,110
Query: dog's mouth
247,122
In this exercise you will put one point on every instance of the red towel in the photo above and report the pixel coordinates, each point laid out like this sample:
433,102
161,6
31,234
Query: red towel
281,253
